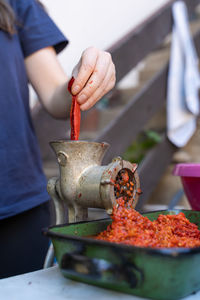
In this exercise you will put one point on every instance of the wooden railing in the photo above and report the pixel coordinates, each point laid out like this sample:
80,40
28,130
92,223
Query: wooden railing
141,107
121,131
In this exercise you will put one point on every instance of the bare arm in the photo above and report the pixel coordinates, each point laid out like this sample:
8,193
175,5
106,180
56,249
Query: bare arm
49,81
96,76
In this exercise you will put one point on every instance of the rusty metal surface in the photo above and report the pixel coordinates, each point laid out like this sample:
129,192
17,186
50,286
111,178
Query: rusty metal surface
84,183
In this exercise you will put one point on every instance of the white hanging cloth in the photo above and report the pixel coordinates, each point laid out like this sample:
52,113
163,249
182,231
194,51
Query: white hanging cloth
183,80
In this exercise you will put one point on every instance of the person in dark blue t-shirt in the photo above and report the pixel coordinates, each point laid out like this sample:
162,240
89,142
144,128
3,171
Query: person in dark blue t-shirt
29,42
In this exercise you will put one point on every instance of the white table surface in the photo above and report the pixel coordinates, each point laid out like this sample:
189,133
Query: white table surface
49,284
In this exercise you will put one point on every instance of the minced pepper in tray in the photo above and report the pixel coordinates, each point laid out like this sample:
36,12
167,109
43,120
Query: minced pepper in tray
131,228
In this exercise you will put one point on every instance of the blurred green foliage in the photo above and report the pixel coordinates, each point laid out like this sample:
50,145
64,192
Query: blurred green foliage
143,143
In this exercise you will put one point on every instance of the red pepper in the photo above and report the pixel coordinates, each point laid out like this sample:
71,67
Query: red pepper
75,114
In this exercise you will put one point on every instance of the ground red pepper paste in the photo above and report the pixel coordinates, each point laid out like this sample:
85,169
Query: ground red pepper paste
131,228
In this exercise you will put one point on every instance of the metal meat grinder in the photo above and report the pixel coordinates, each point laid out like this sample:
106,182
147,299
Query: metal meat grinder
84,183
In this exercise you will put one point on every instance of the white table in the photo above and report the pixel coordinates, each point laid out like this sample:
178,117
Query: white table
49,284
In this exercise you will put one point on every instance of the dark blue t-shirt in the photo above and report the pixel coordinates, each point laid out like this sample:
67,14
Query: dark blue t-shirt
22,182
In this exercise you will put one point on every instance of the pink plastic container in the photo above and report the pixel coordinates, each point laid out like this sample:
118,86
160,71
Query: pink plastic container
190,177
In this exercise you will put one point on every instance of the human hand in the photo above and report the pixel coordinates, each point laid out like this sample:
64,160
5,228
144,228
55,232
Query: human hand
94,77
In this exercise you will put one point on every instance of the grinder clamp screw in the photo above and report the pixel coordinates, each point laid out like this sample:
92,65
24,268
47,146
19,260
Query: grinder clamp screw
62,158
